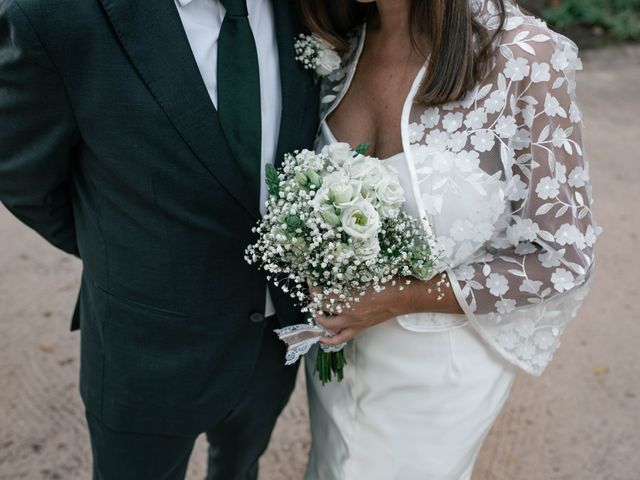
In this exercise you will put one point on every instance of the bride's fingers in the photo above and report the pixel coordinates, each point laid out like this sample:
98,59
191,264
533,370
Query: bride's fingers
332,323
343,337
319,318
314,290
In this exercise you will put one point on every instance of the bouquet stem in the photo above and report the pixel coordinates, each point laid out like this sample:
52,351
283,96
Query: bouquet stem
329,364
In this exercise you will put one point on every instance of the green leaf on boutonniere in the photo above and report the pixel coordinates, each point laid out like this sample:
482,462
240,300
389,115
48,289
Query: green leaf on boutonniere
362,148
273,182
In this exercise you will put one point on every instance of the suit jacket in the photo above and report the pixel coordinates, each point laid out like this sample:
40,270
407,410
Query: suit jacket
111,149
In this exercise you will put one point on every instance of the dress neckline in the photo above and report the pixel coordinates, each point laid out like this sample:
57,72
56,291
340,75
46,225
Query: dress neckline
332,138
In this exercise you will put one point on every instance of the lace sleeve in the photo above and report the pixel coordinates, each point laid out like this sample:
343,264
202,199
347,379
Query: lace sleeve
523,291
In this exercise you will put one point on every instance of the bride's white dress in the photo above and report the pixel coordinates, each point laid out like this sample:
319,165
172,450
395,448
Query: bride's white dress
500,181
419,395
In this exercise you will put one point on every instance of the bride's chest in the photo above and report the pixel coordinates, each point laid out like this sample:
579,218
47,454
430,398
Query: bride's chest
371,111
464,196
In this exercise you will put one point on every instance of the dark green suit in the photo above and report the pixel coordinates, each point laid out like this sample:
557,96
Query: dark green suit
111,149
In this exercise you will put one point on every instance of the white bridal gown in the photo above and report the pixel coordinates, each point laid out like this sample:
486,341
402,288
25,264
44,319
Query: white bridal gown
419,395
500,181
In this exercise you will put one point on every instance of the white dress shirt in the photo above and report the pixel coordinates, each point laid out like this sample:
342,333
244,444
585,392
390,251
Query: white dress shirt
202,20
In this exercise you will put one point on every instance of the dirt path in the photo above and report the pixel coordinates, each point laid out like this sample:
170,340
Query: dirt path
580,421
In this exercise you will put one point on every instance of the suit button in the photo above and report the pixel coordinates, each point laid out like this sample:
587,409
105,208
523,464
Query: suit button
256,317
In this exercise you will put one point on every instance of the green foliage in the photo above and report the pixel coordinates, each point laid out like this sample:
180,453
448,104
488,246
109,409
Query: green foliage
618,18
273,182
362,148
329,364
294,223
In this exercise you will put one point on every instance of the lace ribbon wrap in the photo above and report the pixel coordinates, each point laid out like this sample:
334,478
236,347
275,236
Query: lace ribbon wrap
300,338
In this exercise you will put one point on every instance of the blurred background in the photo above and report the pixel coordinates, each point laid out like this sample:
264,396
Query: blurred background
580,421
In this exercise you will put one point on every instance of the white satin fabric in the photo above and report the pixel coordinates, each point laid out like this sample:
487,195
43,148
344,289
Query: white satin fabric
419,395
417,322
412,406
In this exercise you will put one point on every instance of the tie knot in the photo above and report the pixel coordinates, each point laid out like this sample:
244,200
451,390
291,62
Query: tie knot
235,8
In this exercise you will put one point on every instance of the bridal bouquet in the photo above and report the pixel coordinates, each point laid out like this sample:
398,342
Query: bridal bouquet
335,223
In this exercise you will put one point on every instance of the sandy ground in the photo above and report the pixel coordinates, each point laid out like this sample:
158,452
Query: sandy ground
580,421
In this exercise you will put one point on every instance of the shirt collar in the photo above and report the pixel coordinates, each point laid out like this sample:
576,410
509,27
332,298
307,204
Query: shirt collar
184,2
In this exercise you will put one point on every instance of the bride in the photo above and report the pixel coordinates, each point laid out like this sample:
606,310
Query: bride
472,102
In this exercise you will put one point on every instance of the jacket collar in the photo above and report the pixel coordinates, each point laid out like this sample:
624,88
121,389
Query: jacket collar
154,39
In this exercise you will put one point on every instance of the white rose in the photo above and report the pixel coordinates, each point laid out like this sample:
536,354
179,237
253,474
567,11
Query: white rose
338,152
390,194
368,170
343,194
337,189
361,220
327,61
321,202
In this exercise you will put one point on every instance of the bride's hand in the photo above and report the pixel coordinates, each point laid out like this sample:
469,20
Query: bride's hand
435,296
372,309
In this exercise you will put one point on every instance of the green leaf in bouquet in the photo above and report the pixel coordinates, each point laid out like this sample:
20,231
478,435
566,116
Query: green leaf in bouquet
314,178
331,218
273,182
302,179
362,148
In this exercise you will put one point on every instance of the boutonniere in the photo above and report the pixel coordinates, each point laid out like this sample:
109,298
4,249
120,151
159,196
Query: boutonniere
317,55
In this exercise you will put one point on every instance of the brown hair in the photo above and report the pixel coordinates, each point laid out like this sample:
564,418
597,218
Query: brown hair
460,47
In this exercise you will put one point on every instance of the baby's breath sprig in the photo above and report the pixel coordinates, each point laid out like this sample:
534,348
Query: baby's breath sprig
316,55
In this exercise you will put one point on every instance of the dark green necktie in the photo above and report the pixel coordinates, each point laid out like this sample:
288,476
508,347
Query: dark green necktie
239,91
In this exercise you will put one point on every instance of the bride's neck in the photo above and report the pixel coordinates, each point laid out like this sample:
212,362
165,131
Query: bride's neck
390,27
393,17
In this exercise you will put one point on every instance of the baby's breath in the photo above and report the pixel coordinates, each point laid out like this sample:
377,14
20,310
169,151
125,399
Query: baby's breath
331,224
316,55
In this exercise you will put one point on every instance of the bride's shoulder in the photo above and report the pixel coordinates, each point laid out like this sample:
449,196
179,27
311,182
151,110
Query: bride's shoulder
524,40
332,84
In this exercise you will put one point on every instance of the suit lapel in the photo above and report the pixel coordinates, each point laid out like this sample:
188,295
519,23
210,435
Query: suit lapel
296,82
153,37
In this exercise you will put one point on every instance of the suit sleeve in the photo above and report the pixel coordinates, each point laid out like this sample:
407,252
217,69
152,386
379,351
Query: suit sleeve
37,133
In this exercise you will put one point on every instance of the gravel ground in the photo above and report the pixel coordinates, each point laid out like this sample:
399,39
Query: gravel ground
580,421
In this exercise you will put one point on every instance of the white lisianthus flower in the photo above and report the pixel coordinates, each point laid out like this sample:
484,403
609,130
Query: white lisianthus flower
361,220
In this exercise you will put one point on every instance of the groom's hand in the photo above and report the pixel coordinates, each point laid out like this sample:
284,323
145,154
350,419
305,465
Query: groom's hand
372,309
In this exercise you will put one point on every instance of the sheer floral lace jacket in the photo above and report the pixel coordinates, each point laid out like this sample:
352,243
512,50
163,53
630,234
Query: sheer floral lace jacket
503,186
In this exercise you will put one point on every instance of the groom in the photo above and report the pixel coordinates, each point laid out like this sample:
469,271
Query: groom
133,134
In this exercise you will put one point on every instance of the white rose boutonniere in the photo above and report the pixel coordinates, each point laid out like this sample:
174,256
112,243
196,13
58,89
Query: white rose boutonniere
316,54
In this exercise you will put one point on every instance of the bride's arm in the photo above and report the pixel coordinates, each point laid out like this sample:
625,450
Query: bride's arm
435,296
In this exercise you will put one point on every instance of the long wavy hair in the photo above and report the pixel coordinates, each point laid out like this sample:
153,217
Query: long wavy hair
459,48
